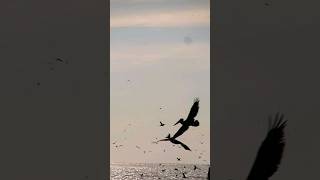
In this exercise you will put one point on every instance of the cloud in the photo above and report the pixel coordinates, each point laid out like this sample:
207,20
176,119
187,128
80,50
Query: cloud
165,18
196,54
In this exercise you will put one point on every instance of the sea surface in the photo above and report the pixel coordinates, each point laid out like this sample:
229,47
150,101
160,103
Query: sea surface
121,171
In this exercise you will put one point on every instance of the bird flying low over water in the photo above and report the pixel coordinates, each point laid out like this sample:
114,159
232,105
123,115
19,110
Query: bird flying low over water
190,121
270,152
174,141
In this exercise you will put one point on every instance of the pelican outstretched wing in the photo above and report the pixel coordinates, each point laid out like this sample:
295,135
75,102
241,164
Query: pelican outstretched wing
270,152
183,145
194,109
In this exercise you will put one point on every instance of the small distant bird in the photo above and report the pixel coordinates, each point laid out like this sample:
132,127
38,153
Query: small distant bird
163,170
178,159
176,169
61,60
194,167
183,175
141,175
117,146
161,124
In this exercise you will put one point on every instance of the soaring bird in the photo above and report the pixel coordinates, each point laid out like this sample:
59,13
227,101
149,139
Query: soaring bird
270,152
190,121
174,141
161,124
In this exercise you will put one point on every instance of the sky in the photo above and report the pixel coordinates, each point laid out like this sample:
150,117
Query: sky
160,52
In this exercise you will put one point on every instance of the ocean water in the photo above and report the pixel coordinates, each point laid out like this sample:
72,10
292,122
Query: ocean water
122,171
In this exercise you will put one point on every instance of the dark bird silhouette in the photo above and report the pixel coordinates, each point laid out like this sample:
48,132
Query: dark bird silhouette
178,159
271,150
190,121
161,124
174,141
163,170
59,59
176,169
194,167
183,175
117,146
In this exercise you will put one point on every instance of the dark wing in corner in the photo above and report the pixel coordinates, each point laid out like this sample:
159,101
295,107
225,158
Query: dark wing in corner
194,109
270,153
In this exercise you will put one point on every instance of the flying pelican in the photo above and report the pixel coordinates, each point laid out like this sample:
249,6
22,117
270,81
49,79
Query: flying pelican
190,121
174,141
270,152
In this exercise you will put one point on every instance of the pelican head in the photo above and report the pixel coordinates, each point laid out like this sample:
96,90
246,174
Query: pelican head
195,123
181,120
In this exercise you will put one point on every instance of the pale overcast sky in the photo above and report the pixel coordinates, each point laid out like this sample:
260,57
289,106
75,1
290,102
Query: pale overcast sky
160,53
